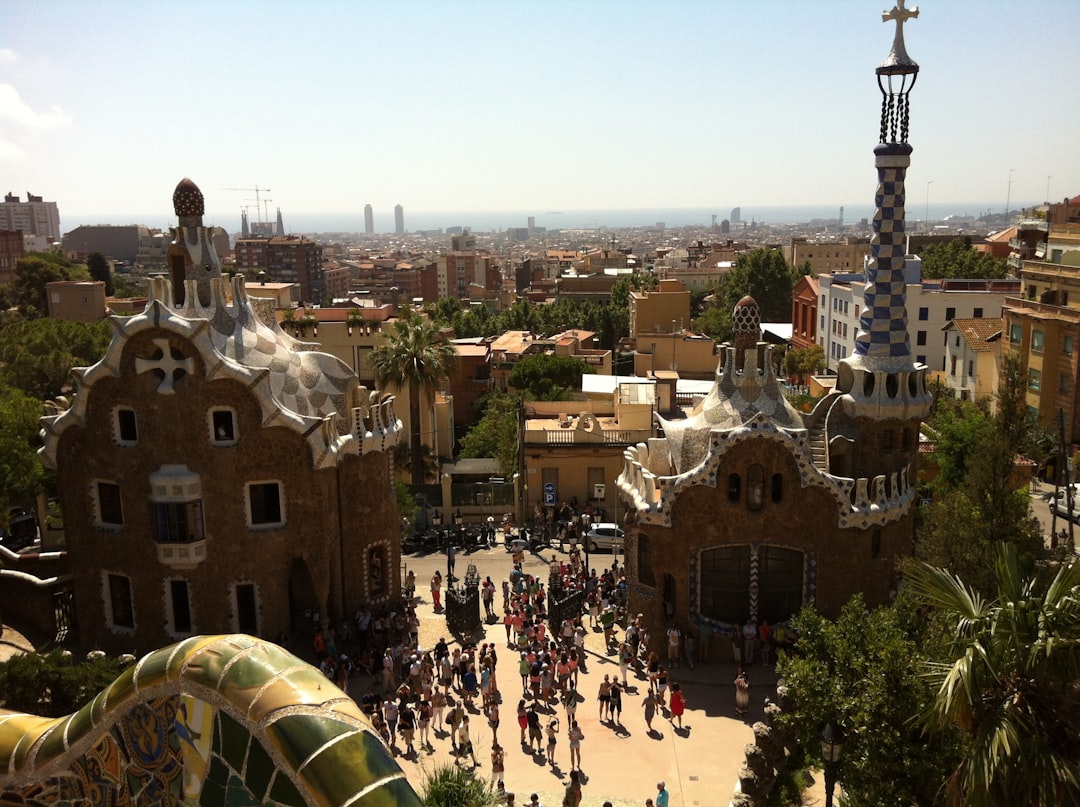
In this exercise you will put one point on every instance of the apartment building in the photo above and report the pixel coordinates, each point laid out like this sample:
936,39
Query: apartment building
286,259
930,306
1042,322
35,216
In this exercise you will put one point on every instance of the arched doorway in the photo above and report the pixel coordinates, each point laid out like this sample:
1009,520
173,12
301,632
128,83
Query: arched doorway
304,605
669,598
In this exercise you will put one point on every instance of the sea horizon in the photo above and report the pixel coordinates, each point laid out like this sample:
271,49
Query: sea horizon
569,219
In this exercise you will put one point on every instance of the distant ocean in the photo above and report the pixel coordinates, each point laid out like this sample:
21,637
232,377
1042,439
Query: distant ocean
494,221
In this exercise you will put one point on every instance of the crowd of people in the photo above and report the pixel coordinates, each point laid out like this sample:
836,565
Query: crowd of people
419,697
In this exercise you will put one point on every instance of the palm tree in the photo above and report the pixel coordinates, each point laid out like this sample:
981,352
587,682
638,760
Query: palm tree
1010,682
418,357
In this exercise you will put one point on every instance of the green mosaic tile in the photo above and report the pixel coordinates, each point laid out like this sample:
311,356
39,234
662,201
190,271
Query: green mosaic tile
339,771
259,769
17,734
219,772
302,685
234,741
213,795
153,669
205,666
394,793
297,736
53,746
215,744
117,692
82,722
237,794
187,650
284,792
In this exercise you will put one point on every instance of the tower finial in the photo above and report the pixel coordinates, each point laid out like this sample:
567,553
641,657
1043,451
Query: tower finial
898,57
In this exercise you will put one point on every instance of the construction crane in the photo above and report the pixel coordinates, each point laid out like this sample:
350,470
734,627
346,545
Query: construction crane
257,190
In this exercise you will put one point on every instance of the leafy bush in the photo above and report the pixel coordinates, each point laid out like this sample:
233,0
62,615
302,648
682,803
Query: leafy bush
53,685
453,786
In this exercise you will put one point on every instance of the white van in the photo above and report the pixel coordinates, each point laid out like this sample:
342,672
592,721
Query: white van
1060,502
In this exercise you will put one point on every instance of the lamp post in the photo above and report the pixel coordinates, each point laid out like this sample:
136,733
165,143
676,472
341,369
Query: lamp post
832,750
926,215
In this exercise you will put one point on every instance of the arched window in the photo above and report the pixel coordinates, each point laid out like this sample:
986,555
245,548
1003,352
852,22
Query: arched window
777,487
734,487
875,544
755,487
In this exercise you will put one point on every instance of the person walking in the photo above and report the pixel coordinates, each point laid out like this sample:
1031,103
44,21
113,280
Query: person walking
464,742
742,692
523,719
457,717
678,704
493,721
576,736
604,697
662,795
649,704
616,704
423,714
552,739
498,766
536,737
572,797
436,590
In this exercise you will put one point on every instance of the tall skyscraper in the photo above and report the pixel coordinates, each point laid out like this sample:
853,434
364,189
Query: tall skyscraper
736,215
369,220
399,219
280,224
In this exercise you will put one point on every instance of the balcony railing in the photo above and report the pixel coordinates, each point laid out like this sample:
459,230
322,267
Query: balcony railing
626,437
182,556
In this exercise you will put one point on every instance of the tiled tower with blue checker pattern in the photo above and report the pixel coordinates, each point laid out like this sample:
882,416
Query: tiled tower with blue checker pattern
883,389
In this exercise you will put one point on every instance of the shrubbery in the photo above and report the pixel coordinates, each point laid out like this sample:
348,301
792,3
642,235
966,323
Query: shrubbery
53,685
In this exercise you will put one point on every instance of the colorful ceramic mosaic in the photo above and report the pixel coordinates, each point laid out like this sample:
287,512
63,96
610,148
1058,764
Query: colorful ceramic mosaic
220,721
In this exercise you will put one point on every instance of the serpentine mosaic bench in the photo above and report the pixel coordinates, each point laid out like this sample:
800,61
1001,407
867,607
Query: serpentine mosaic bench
221,721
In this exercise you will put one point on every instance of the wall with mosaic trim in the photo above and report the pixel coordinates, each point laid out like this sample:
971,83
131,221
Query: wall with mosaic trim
221,721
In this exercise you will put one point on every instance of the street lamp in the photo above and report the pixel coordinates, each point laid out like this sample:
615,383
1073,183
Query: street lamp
832,749
926,215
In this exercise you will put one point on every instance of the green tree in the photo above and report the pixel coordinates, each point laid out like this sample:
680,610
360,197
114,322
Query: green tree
496,433
32,273
545,377
955,259
862,671
420,358
1008,680
715,322
100,270
804,361
37,355
21,473
53,685
764,275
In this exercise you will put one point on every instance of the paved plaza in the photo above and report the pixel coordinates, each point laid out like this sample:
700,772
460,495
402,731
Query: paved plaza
620,763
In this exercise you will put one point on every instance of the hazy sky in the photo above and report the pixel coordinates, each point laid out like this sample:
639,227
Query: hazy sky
525,105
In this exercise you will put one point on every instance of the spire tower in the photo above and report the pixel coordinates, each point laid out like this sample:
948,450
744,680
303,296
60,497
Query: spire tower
880,381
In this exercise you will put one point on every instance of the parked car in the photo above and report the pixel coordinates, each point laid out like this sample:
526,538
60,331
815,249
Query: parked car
605,535
21,530
1060,502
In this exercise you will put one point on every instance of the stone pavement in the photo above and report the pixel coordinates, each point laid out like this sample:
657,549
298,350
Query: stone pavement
621,763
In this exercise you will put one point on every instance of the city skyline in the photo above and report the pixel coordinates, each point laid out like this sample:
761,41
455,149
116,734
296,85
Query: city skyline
543,107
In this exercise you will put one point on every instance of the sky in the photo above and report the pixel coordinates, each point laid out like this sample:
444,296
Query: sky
522,105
